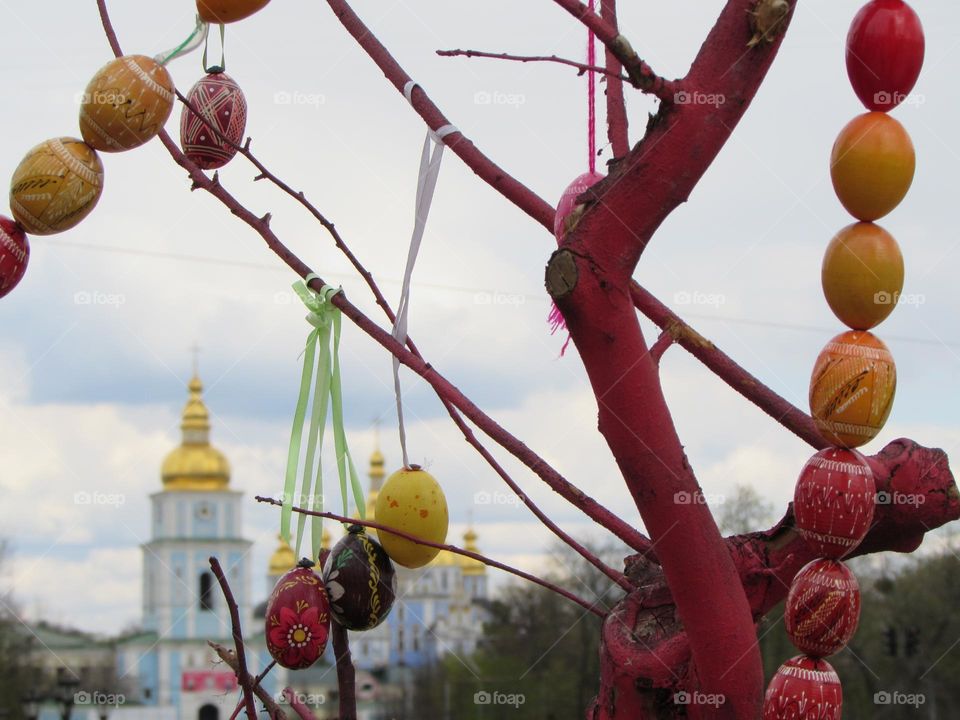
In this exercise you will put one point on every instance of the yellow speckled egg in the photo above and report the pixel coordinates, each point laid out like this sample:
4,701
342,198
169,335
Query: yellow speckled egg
412,501
228,11
852,388
56,185
126,104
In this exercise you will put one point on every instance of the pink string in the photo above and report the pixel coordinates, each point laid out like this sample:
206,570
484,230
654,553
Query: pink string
592,96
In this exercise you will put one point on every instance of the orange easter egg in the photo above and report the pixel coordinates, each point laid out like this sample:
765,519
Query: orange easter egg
412,501
126,104
56,185
852,388
228,11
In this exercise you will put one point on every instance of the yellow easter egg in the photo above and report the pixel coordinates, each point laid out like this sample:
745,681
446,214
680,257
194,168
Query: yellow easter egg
56,186
412,501
126,104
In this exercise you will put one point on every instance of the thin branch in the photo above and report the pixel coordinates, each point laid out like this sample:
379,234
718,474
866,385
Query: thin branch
346,676
662,344
641,75
230,658
592,607
582,67
302,711
243,675
256,682
780,409
617,121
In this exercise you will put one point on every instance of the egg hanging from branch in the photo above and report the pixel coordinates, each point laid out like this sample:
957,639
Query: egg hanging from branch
568,201
804,688
360,580
219,102
14,255
823,608
228,11
298,618
412,501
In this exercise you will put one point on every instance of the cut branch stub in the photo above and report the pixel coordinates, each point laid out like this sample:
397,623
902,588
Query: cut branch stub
562,274
767,21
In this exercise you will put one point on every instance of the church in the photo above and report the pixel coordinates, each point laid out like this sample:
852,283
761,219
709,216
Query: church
166,671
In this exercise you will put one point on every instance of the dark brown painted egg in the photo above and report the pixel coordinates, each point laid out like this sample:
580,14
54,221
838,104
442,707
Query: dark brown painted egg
298,618
360,581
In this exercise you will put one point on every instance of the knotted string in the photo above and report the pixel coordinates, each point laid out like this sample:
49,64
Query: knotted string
592,96
326,320
197,38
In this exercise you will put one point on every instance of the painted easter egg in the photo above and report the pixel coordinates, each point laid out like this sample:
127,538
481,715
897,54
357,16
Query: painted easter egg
412,501
823,608
862,275
872,165
220,102
568,201
126,103
56,185
228,11
360,581
852,388
14,254
298,618
834,502
804,688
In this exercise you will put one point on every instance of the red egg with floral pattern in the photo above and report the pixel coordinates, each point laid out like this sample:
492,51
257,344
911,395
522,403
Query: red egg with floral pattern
298,619
834,502
804,688
14,254
823,608
219,104
360,580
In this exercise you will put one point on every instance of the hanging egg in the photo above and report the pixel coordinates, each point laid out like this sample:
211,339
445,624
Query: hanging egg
228,11
412,501
126,103
823,608
834,502
852,388
56,185
804,689
360,581
298,618
872,165
220,102
568,201
862,275
14,254
885,49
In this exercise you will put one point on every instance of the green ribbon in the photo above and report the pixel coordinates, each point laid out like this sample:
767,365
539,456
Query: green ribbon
326,320
199,35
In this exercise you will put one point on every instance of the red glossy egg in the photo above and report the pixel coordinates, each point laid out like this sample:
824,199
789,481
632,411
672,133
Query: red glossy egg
220,102
834,502
360,580
14,254
804,688
568,201
885,49
823,608
298,619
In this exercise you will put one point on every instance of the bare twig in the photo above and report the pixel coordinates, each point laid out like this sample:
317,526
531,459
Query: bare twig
243,675
346,676
617,122
302,711
662,344
581,67
256,683
230,658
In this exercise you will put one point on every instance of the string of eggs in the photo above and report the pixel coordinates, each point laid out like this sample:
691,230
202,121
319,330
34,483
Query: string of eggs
854,378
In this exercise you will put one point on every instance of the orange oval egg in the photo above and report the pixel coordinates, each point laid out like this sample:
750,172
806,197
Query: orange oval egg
862,275
412,501
228,11
852,388
56,185
872,165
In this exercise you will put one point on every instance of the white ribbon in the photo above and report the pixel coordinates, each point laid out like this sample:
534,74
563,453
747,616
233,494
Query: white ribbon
430,160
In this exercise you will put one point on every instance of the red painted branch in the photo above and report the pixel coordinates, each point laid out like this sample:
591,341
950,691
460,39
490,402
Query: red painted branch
514,191
582,67
302,711
230,658
449,548
617,122
243,675
662,344
346,677
256,684
781,410
641,75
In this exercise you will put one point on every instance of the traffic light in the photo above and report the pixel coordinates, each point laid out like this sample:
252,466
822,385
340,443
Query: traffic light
890,635
911,641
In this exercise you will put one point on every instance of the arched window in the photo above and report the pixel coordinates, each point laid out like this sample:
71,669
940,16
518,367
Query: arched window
209,712
206,594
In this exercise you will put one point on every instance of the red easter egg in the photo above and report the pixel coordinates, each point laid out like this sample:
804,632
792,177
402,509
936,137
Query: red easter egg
885,49
14,254
569,200
221,103
823,608
834,502
298,619
804,688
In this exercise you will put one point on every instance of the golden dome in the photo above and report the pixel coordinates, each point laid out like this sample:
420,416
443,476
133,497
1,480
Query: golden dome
376,474
326,539
283,558
445,558
195,465
471,566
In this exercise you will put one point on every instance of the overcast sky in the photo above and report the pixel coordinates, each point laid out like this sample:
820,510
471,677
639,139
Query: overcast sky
92,392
